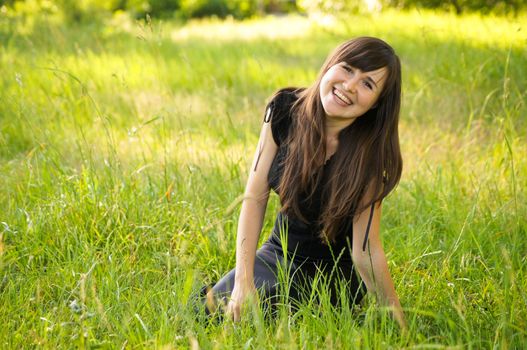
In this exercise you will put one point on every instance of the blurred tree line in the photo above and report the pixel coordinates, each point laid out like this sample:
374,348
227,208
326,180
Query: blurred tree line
78,10
460,6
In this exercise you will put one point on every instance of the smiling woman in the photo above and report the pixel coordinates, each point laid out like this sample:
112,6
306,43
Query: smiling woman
331,153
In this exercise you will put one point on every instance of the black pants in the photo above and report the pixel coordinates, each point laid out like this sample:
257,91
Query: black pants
293,280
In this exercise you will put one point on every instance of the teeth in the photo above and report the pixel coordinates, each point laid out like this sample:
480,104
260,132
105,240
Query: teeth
342,97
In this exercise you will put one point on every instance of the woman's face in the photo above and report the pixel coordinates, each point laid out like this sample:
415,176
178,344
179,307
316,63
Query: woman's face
348,92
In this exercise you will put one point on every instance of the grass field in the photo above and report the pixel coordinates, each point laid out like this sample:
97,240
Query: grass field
124,149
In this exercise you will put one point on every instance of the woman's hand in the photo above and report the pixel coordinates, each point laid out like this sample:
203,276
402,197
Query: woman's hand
242,294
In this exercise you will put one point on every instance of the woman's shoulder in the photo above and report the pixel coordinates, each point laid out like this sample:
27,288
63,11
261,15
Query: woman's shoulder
279,112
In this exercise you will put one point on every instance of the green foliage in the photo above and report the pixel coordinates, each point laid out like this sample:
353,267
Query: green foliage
203,8
460,6
89,10
156,8
332,6
68,10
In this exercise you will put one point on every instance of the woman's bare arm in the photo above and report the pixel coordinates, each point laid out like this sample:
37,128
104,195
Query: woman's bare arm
254,205
372,265
250,221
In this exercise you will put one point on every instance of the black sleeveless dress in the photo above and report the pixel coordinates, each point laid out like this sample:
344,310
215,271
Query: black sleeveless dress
306,256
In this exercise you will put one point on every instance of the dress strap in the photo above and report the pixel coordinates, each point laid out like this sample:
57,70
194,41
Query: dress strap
267,119
368,228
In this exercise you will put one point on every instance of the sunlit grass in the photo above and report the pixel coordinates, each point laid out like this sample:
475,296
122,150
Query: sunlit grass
268,28
125,149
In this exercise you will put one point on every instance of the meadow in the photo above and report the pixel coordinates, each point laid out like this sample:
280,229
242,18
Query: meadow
125,147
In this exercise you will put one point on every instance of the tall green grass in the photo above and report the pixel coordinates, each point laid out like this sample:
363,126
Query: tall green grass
124,149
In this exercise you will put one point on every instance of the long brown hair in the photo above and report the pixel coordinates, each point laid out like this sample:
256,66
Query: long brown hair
368,158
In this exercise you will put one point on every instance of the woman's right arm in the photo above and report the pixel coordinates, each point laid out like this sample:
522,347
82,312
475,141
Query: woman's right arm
251,220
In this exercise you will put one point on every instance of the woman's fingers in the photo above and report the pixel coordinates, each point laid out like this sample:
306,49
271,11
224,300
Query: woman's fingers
233,310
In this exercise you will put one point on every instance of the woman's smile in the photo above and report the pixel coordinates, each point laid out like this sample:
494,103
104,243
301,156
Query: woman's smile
340,97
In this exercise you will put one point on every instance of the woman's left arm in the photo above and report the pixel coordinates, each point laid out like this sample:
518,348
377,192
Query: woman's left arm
371,263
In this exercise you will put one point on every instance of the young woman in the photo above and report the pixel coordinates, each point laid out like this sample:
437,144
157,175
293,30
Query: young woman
331,153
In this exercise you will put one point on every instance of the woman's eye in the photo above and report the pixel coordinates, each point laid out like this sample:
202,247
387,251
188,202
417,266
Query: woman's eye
368,85
348,69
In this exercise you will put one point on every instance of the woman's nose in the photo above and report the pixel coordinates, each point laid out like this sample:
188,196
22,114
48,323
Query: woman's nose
350,84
